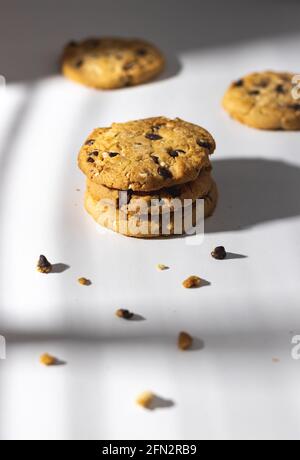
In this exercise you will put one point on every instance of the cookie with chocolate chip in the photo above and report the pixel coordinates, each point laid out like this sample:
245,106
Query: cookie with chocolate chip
145,225
146,155
160,202
110,63
264,100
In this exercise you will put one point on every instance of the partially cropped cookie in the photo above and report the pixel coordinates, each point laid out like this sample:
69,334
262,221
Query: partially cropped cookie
265,101
146,155
109,63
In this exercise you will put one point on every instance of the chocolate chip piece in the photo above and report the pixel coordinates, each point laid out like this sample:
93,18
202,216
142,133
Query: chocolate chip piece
153,137
173,191
155,159
113,154
43,265
239,83
175,153
129,65
78,64
165,172
294,106
92,43
141,52
204,144
95,153
125,314
129,196
90,160
255,92
280,89
90,142
219,253
263,83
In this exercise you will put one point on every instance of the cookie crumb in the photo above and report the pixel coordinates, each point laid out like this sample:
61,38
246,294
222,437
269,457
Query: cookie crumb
219,253
84,282
162,267
48,360
185,341
192,282
276,360
43,265
125,314
145,399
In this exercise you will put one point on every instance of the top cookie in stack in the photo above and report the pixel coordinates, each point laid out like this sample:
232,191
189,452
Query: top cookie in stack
153,158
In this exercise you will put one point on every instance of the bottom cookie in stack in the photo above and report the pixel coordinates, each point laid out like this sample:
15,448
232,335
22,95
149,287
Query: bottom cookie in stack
166,212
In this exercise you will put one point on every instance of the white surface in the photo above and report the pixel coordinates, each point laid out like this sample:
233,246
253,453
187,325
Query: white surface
247,317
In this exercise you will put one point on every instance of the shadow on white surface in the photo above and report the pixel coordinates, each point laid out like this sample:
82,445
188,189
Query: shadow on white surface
254,191
31,49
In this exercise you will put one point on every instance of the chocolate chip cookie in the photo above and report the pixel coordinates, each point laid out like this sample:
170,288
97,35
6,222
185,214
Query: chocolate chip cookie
145,226
146,155
162,201
109,63
264,100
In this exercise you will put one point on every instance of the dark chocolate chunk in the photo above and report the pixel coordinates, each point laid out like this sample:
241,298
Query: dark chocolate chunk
90,142
254,92
141,52
113,154
175,153
219,253
44,265
239,83
125,314
155,159
153,137
280,89
294,106
165,172
90,160
79,63
203,143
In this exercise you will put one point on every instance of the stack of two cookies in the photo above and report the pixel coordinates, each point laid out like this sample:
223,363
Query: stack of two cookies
143,176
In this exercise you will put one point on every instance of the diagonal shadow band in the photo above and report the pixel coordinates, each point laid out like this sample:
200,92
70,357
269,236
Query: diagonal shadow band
174,26
253,191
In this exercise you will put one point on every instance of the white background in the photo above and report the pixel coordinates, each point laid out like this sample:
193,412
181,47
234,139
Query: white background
231,388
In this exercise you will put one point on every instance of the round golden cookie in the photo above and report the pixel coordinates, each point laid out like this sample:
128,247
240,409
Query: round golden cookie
264,100
110,63
164,200
145,226
146,155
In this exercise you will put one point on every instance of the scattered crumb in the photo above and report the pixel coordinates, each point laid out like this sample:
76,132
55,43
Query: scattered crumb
78,190
185,341
219,253
276,360
84,282
48,360
145,399
43,265
125,314
162,267
192,282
